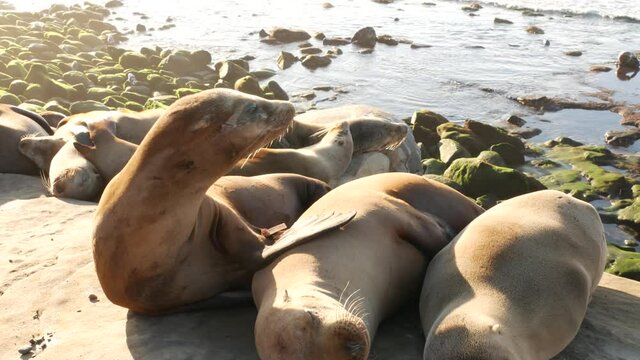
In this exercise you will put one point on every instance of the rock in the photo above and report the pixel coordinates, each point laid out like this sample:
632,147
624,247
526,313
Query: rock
429,140
38,74
628,60
631,242
487,201
327,5
622,138
512,155
16,69
26,349
492,158
428,119
516,120
501,21
525,133
563,140
134,96
573,53
546,42
310,51
100,26
200,58
623,263
263,33
288,35
93,297
462,135
286,59
231,72
335,41
478,178
365,37
316,61
319,36
141,28
570,182
491,135
534,30
9,98
178,64
334,51
433,166
249,85
86,106
221,84
451,150
133,60
182,92
387,40
419,46
277,91
98,94
443,180
113,4
365,51
472,7
18,87
160,102
90,39
600,68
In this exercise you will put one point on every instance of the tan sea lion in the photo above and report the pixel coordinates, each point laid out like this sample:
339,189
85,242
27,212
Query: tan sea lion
323,300
516,282
16,123
326,160
127,125
108,153
164,237
72,176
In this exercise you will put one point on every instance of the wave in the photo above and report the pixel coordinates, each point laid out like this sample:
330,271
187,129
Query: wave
613,10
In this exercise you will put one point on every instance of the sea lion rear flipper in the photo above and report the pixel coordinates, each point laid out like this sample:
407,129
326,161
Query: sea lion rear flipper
306,230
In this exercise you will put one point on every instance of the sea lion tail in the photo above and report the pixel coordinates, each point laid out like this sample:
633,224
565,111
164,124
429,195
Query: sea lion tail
35,117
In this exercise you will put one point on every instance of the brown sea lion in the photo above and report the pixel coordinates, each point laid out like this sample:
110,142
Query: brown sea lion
323,300
16,123
107,153
516,282
326,160
165,237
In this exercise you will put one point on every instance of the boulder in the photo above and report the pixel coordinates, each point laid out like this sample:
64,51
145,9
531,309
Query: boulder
133,60
249,85
451,150
85,106
286,59
287,35
365,37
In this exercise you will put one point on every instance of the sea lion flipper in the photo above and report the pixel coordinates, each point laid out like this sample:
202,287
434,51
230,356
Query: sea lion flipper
306,230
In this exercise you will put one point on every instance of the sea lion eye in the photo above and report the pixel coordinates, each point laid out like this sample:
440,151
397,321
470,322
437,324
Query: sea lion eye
252,108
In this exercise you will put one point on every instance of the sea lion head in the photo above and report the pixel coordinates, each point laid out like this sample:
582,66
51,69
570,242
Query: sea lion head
223,126
373,134
466,336
321,330
73,176
40,149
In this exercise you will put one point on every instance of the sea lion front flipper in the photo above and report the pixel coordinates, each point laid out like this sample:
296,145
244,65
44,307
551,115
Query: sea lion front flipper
305,230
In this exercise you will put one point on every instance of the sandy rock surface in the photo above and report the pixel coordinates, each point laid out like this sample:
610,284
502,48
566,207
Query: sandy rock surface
47,281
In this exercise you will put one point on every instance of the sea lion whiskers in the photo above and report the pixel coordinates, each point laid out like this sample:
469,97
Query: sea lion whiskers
45,182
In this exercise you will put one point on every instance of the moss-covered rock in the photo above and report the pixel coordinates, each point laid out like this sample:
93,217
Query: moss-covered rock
133,60
427,119
178,64
277,91
18,87
512,155
631,214
570,182
98,94
114,101
75,77
9,98
492,158
623,263
443,180
479,178
462,135
56,107
39,74
111,79
16,69
491,135
249,85
86,106
90,39
159,102
487,201
451,150
34,91
587,160
135,97
433,166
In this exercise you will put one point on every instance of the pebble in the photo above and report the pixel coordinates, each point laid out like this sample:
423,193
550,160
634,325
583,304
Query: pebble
93,297
630,242
25,349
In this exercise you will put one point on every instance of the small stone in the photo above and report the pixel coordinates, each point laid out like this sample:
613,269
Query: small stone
419,46
327,5
365,51
600,68
516,120
141,28
286,59
310,51
546,42
534,30
502,21
93,298
25,349
365,37
335,41
573,53
387,40
316,61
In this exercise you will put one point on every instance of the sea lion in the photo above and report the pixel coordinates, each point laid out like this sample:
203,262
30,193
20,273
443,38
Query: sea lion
404,156
126,125
108,153
326,160
16,123
368,133
323,300
516,282
72,176
164,237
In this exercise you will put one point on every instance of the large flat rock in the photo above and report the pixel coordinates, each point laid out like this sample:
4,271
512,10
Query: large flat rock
47,275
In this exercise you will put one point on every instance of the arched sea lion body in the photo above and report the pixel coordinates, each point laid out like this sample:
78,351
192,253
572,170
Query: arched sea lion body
516,282
323,300
164,237
16,123
326,160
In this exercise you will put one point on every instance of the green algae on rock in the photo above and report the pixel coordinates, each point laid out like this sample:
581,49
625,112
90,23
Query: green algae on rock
623,263
433,166
427,119
477,178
